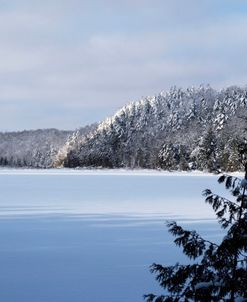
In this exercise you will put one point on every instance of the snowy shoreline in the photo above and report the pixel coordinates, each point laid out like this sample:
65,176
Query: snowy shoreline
127,172
116,172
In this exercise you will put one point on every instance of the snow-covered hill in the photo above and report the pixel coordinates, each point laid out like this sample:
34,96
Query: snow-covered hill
195,128
34,148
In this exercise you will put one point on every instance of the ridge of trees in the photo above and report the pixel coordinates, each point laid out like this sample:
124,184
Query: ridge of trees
181,129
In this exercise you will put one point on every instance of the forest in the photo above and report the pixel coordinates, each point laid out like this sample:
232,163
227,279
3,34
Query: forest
180,129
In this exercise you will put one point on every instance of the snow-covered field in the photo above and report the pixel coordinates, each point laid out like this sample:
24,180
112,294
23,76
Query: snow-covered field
86,235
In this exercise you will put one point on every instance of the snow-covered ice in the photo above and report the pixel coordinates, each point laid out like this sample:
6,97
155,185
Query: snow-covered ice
85,235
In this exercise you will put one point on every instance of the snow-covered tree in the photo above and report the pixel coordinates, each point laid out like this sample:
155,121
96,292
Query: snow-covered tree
218,272
184,129
174,157
34,148
207,156
178,129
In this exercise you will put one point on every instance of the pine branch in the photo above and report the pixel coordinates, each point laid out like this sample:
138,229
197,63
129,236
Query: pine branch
232,183
175,278
229,180
221,273
162,298
193,244
222,206
207,193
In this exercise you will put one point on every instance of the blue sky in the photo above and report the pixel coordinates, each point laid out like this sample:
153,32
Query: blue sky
65,64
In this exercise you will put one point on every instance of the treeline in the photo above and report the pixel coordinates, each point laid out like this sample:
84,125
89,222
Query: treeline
35,148
196,128
182,129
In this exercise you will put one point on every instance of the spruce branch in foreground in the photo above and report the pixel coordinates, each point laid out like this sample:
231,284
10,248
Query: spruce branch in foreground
218,271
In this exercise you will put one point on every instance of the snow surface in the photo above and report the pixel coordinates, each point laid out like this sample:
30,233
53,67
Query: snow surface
82,171
86,235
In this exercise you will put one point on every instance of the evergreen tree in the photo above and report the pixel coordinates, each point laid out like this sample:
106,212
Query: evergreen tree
207,150
218,271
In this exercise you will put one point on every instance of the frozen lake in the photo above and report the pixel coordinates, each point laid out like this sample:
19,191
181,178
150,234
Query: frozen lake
91,235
